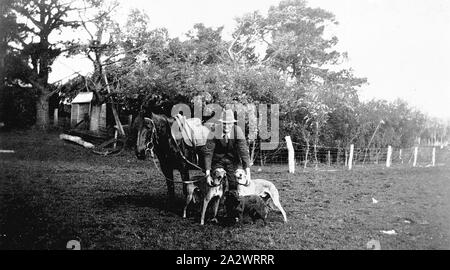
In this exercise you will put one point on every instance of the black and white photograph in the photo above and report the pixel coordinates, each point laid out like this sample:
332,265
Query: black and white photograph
225,126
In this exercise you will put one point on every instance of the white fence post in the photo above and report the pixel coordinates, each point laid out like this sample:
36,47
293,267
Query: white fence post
433,157
55,117
400,155
416,150
329,159
345,158
388,158
130,123
291,153
350,158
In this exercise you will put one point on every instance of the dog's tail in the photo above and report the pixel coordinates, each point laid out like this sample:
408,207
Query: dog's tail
272,206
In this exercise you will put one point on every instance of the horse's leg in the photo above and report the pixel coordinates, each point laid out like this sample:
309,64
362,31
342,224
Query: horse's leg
168,173
189,198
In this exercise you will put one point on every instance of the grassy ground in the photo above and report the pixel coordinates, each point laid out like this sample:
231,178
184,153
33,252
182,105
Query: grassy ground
53,191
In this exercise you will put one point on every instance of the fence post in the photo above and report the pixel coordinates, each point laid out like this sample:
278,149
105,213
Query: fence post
261,158
375,158
433,157
416,150
388,158
130,123
291,154
400,155
329,158
345,158
338,156
55,118
350,158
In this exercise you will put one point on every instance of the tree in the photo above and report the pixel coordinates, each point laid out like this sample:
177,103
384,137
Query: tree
316,115
15,109
44,17
100,46
206,44
13,65
294,36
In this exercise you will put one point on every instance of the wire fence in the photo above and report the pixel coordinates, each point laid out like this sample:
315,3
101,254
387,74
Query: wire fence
339,156
310,156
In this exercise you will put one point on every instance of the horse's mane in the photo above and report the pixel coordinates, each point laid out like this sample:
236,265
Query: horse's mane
170,119
162,117
161,121
157,119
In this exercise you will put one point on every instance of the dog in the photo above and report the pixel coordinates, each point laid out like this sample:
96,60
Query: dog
201,189
239,206
258,187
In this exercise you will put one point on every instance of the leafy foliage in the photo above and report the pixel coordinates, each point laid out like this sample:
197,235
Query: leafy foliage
285,57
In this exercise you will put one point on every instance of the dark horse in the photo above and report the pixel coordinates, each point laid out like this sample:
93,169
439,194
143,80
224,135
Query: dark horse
154,133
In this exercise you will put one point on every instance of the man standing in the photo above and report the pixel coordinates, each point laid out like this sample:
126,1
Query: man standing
228,150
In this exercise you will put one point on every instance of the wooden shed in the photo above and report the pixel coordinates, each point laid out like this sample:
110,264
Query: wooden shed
85,108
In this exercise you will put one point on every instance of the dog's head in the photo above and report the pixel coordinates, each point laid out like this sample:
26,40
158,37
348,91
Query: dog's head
231,198
218,176
241,177
232,203
255,207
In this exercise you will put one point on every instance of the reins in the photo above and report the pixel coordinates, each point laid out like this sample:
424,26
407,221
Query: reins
149,148
184,158
171,180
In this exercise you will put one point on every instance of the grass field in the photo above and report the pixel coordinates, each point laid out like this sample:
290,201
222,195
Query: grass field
53,191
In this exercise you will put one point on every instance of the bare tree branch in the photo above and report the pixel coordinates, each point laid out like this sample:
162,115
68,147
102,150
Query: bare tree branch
125,52
230,48
23,12
83,23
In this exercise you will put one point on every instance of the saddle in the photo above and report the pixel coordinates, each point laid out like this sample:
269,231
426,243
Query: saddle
191,130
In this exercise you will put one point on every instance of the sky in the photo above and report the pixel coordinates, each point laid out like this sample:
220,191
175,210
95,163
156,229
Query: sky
401,46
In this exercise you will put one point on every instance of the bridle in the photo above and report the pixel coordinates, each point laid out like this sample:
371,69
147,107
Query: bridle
153,138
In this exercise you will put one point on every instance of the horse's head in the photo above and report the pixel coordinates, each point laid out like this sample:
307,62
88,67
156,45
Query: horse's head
146,132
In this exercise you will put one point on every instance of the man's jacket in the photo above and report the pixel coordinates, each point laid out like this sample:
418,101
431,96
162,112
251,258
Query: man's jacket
233,150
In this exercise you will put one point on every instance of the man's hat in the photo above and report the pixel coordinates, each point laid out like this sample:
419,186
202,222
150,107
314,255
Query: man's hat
227,117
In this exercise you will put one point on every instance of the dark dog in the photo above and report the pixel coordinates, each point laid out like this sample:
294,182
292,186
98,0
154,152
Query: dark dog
252,206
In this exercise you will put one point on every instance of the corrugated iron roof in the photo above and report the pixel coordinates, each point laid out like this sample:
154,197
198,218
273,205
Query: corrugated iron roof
83,97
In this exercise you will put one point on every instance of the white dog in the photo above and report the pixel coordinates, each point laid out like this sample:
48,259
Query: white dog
208,192
258,187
